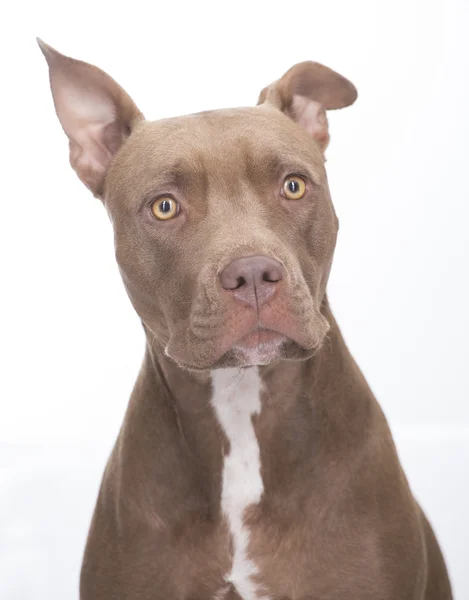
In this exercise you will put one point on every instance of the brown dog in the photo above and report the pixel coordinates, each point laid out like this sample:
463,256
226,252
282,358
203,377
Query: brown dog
254,461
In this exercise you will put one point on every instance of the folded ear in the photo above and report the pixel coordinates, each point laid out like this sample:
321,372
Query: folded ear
305,92
95,112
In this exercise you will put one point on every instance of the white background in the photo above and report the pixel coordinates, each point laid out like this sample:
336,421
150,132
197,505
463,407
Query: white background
71,344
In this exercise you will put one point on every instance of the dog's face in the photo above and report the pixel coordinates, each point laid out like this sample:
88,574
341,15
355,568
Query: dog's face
224,226
223,179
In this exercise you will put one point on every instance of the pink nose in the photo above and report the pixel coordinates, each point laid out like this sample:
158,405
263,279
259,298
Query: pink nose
253,279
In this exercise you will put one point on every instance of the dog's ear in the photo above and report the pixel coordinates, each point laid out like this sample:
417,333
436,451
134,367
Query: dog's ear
305,92
95,112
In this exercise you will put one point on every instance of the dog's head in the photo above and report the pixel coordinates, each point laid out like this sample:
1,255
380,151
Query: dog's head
224,226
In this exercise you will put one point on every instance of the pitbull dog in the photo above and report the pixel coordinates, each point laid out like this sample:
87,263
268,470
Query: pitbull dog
253,462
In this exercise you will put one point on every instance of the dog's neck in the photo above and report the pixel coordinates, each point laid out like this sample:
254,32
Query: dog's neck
318,406
322,380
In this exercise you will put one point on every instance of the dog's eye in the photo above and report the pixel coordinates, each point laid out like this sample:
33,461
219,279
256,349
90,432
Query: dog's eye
165,208
294,187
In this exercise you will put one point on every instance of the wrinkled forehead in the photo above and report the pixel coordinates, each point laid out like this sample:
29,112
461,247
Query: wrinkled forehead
223,147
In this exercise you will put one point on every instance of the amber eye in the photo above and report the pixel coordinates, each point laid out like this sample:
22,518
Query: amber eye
294,187
164,208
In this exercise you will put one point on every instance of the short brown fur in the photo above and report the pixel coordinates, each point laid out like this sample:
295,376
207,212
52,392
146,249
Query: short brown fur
337,519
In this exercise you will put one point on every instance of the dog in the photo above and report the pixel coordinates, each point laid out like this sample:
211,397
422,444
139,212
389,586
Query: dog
253,462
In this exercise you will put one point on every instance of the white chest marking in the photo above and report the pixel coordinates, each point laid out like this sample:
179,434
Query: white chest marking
236,398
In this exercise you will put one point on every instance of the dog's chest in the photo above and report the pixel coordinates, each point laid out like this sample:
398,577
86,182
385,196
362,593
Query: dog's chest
236,400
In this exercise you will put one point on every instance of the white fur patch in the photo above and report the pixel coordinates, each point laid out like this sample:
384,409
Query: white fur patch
236,398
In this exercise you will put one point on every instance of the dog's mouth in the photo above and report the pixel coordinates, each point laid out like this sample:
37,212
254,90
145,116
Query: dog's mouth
259,337
260,346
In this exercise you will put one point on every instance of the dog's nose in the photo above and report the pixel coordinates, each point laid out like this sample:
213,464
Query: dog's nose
253,279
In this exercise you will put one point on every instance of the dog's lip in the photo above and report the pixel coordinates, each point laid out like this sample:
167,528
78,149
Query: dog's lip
260,337
270,349
258,340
